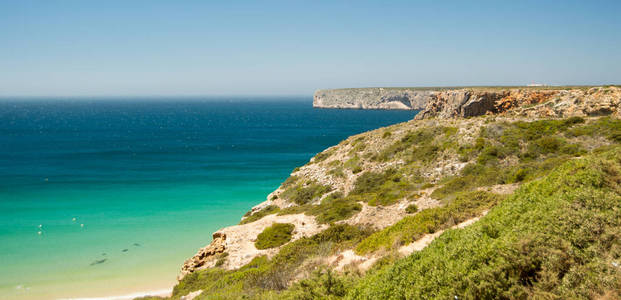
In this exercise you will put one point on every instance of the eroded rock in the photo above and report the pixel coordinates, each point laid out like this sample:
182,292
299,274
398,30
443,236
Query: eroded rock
204,255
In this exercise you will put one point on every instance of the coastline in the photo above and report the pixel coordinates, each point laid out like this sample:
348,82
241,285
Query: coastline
155,293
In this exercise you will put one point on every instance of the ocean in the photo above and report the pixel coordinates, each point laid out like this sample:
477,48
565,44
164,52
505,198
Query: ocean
106,197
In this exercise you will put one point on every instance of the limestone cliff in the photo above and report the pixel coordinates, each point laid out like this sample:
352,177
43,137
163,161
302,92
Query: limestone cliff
557,103
373,98
476,101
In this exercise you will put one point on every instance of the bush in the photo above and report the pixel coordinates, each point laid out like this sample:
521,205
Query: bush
290,181
411,209
301,195
353,164
417,138
274,236
383,188
334,208
323,155
337,171
606,126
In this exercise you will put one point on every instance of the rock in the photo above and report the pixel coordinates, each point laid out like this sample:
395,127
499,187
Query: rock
461,103
596,101
208,253
191,295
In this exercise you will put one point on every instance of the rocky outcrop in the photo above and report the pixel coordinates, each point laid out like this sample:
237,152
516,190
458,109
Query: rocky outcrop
204,255
233,246
592,102
461,103
580,102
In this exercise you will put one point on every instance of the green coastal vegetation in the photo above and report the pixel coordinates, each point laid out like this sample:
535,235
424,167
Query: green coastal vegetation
557,236
276,235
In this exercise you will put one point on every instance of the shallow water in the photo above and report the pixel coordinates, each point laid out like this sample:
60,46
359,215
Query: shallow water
147,181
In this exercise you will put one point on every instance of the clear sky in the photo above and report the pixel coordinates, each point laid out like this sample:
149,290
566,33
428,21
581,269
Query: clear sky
101,48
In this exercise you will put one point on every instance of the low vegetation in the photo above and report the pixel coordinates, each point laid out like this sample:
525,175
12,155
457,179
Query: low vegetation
264,278
411,228
274,236
333,207
411,209
556,238
383,188
251,217
305,193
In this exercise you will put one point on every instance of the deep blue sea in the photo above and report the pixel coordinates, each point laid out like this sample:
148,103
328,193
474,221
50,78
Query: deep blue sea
102,197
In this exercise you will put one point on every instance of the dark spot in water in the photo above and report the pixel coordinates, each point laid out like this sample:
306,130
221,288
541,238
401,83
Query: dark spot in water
100,261
136,244
104,254
125,250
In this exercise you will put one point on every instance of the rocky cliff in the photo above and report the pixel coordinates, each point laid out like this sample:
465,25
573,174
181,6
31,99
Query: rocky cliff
558,103
373,98
475,101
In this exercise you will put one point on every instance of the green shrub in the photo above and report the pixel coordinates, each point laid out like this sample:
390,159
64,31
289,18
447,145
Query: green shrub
323,155
294,209
290,181
338,172
383,188
418,138
221,259
274,236
411,209
301,194
322,284
353,164
334,208
268,210
343,236
607,127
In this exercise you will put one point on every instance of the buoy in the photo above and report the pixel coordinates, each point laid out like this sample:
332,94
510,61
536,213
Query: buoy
81,225
40,225
39,232
73,219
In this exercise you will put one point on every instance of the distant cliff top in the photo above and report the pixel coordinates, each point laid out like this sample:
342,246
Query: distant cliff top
452,102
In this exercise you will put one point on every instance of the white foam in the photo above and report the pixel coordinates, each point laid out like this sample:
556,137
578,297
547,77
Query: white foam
165,292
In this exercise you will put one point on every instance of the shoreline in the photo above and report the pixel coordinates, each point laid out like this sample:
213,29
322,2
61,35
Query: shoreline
155,293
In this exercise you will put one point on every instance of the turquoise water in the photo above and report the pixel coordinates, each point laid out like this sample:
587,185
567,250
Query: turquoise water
147,181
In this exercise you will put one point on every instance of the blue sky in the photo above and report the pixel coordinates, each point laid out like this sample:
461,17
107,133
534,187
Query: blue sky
103,48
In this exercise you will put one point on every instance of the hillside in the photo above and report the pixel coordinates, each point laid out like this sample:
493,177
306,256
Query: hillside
515,203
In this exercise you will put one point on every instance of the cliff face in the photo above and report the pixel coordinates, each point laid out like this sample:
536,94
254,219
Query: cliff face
373,98
560,103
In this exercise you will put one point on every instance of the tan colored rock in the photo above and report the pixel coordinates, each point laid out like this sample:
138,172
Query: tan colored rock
204,255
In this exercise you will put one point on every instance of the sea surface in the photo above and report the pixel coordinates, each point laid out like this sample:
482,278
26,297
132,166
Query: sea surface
105,197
